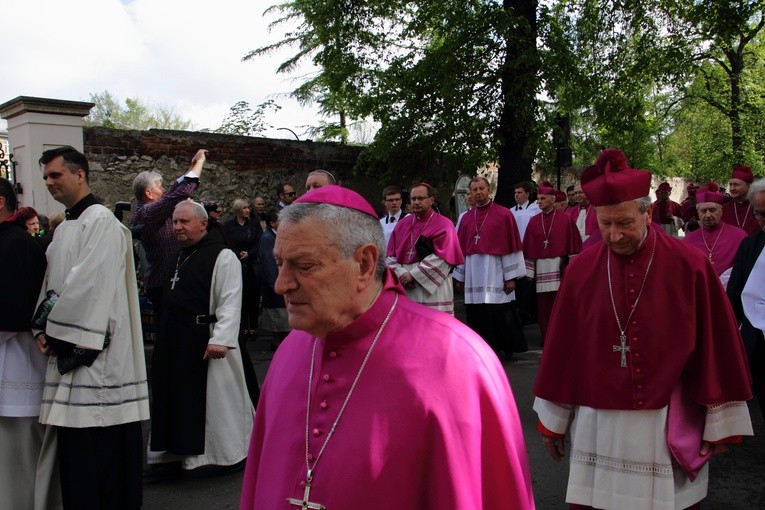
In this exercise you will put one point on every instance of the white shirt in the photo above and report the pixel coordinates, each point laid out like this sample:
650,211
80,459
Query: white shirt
389,222
523,214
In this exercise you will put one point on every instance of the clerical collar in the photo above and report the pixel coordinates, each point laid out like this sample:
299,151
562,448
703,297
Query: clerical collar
369,321
715,228
79,207
426,216
487,204
204,241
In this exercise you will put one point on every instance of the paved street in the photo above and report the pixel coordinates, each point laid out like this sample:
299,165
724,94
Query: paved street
737,479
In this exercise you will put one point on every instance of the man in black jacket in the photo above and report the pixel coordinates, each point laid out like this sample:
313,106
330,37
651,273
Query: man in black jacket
22,373
747,254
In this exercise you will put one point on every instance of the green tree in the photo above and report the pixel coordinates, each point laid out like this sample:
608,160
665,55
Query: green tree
244,121
632,72
135,114
452,84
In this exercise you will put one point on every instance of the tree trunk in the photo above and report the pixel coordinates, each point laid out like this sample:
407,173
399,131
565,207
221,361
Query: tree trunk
736,61
520,83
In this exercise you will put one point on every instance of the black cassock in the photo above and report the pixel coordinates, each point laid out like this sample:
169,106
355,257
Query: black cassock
179,374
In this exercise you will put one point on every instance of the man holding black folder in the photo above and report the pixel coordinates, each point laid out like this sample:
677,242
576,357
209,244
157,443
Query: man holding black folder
423,249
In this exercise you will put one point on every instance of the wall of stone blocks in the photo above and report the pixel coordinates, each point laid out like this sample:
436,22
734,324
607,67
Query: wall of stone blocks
237,166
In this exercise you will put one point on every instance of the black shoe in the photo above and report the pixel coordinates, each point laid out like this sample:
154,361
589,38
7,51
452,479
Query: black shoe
233,468
166,472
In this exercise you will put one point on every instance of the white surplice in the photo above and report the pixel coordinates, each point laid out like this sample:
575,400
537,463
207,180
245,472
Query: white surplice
90,266
434,283
620,459
484,277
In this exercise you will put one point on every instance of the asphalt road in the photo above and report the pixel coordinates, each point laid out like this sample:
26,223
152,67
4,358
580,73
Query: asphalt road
737,480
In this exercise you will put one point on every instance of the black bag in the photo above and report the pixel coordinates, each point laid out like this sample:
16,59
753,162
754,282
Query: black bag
79,357
423,247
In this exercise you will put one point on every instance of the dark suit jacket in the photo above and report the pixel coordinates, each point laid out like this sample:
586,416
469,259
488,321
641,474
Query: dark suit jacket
746,256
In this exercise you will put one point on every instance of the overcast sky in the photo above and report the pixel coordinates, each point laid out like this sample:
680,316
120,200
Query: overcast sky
160,51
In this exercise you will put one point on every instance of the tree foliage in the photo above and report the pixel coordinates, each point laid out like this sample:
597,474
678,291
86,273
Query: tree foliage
244,121
661,71
437,75
676,84
135,114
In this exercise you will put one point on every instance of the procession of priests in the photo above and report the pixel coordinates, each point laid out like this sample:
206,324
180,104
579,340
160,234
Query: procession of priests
379,397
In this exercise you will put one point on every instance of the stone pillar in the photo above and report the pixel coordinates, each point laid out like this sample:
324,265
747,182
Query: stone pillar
36,125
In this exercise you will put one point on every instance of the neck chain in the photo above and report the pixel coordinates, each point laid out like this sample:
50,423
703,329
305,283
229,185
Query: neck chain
178,266
623,348
477,236
706,245
412,239
311,467
746,214
547,233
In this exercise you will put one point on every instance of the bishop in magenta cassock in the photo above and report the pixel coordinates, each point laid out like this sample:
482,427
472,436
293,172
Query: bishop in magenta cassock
423,249
375,401
665,212
717,240
583,214
491,244
738,210
628,388
551,241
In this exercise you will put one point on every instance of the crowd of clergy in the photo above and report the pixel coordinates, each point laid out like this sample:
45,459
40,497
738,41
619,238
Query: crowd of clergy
377,396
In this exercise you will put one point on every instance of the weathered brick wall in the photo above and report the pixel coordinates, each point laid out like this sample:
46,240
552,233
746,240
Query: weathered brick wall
237,166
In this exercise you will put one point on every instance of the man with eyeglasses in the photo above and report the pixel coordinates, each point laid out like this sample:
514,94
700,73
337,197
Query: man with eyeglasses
392,199
751,248
286,194
423,250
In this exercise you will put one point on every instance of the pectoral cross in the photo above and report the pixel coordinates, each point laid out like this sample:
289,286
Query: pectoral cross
410,253
174,280
546,242
304,504
623,349
477,238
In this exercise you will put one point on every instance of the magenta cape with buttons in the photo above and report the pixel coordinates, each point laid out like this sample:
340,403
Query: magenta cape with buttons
683,327
431,424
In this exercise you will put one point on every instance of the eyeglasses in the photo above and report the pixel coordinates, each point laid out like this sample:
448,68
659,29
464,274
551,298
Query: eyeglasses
759,214
290,193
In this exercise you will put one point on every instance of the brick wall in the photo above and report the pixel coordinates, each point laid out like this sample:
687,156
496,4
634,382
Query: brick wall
237,166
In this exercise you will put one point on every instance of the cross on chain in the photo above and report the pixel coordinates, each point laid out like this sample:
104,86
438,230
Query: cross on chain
546,242
477,238
174,280
410,253
304,504
623,349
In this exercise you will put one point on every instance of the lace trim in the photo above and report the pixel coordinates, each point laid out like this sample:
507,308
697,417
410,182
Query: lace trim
15,385
719,408
618,465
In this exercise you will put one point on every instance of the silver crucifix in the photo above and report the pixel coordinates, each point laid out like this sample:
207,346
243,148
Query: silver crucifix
304,504
174,280
546,242
477,238
623,349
